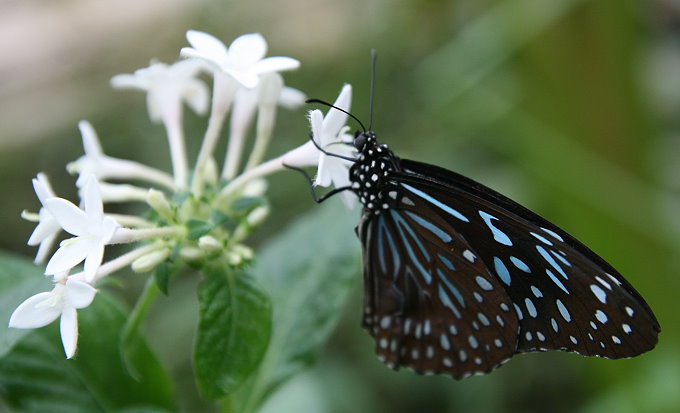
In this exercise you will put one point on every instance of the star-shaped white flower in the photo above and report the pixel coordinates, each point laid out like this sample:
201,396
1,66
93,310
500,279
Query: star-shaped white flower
41,309
330,133
45,233
167,86
92,229
244,59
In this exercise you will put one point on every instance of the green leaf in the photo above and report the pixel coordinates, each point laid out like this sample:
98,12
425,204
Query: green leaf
308,271
198,228
233,330
35,375
246,203
19,279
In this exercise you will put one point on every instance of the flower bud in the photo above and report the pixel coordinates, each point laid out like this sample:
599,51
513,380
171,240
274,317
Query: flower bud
149,261
256,187
257,215
209,243
157,200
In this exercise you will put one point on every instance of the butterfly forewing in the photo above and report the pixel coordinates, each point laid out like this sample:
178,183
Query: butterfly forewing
565,296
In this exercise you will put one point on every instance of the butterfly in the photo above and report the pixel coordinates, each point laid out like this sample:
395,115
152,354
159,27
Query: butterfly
459,278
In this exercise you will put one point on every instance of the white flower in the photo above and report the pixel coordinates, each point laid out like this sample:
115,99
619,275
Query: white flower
92,229
329,133
41,309
45,233
244,59
96,163
167,87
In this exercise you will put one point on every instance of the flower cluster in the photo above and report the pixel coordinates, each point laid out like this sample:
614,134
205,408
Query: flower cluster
197,214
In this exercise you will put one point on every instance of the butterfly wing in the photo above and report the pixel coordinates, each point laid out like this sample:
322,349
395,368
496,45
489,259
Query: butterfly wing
565,295
428,307
453,254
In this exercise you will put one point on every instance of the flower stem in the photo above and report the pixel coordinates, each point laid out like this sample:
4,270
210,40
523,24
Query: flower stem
265,125
134,320
127,235
131,221
223,95
263,169
173,127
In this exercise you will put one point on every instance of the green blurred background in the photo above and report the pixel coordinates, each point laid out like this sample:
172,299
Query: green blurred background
567,106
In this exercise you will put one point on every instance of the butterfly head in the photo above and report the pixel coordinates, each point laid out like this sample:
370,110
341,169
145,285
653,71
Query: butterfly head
364,140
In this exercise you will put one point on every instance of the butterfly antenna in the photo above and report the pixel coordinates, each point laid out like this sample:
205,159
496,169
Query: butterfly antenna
374,59
323,102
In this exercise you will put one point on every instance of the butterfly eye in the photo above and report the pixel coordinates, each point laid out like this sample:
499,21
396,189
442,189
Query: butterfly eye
360,139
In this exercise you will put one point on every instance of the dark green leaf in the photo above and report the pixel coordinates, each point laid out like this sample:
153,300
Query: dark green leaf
308,271
35,375
246,203
233,330
198,228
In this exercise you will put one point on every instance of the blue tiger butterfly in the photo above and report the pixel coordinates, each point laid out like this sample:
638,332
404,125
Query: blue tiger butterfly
458,278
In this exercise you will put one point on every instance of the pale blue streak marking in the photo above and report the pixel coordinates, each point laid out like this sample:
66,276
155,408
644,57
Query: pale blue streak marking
396,261
436,203
553,233
451,287
551,261
498,235
536,292
563,311
520,264
447,302
381,246
599,293
446,262
530,307
430,226
540,238
501,270
561,258
401,224
556,280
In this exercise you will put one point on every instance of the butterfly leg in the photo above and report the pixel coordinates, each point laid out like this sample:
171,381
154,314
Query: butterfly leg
315,197
325,152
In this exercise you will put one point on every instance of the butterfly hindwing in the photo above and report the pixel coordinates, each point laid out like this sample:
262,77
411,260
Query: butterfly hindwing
429,304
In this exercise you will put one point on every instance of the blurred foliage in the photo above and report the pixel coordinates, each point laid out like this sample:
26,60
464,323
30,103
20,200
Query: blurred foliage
569,107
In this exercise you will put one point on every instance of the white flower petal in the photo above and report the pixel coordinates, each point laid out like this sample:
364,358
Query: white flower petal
126,81
45,248
68,328
349,198
247,79
335,119
276,64
197,96
92,200
47,227
35,312
72,252
247,49
90,140
291,98
71,218
206,43
302,156
42,188
79,294
323,174
93,261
